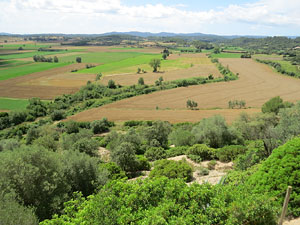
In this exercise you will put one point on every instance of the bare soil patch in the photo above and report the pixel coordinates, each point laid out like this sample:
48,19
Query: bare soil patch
39,84
292,222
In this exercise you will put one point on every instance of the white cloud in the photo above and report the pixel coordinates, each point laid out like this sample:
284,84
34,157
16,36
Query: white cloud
97,16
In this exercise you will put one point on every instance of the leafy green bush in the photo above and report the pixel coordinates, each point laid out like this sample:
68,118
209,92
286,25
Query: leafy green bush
14,213
230,152
101,126
202,150
155,153
142,163
172,169
212,164
202,171
195,158
180,137
168,201
273,105
214,132
58,115
176,151
279,170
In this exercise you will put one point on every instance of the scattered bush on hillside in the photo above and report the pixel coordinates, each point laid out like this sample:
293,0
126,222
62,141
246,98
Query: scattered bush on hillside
172,169
201,150
155,153
181,137
230,152
214,132
101,126
176,151
58,115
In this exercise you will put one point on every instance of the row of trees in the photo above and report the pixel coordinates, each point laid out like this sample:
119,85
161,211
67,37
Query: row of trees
40,58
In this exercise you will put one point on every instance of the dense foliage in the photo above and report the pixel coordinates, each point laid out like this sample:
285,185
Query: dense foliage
168,201
278,171
172,169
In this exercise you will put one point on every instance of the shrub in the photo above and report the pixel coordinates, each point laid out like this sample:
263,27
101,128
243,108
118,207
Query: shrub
101,126
111,84
58,115
78,59
71,126
142,163
212,164
180,137
172,169
141,81
176,151
124,156
202,171
202,150
195,158
229,153
155,153
114,171
214,132
279,170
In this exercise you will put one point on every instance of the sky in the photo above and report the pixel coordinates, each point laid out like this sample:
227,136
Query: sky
221,17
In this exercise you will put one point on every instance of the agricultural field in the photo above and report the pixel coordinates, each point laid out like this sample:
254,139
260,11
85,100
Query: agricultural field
7,104
226,55
26,69
257,83
174,68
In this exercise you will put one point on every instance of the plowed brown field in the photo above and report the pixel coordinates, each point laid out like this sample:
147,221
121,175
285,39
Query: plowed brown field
257,84
46,84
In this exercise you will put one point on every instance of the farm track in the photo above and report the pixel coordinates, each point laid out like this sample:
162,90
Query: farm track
25,87
257,83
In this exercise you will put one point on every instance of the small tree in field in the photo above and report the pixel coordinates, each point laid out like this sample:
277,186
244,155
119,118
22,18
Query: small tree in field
139,70
190,104
155,64
78,59
98,76
141,81
55,59
111,84
164,56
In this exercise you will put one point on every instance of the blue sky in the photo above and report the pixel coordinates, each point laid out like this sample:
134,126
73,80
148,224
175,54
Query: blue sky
223,17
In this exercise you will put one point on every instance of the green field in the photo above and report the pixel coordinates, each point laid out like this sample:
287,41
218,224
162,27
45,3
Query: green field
12,63
13,72
287,66
234,48
100,57
226,55
131,65
31,54
25,46
126,48
13,104
123,66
